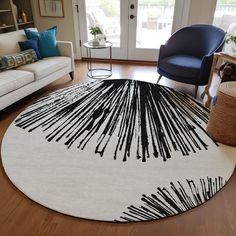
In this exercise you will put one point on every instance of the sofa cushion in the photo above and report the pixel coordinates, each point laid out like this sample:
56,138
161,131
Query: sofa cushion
13,79
46,66
18,59
8,42
47,41
31,44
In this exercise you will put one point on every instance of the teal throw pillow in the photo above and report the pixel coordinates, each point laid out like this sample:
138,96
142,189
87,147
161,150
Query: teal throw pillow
47,41
18,59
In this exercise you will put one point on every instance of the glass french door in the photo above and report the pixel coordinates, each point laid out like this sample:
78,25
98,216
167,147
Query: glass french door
136,28
150,25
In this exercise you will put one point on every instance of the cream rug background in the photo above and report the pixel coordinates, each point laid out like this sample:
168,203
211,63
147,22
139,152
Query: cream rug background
116,150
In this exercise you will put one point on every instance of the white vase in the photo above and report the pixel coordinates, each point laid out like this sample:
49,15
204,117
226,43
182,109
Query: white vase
95,41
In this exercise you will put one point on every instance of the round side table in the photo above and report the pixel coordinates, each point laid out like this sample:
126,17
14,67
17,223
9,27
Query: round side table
98,73
222,120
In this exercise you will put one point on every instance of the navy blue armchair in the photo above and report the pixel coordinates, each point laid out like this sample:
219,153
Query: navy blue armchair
187,55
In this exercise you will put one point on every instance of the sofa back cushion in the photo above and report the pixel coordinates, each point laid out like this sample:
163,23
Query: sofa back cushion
9,42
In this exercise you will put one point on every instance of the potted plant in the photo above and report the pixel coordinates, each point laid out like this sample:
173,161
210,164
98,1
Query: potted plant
95,31
231,39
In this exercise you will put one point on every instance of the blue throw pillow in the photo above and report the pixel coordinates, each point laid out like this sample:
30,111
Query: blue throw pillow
18,59
31,44
47,41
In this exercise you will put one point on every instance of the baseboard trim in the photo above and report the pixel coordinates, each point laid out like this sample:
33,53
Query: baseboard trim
117,61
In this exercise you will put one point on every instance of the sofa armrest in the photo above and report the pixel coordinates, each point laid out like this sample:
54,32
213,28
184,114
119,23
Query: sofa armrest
66,49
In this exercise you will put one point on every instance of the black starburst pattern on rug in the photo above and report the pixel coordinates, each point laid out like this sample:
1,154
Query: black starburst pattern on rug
136,118
173,200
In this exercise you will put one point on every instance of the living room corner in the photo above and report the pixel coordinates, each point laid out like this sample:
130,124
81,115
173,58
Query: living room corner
117,117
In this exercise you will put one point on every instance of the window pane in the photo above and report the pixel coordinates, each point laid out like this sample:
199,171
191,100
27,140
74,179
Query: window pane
154,22
225,13
106,14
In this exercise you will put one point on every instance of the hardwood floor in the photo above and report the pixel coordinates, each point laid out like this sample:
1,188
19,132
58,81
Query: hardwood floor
20,216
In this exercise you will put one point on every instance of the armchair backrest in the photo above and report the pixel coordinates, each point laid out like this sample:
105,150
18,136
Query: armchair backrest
196,40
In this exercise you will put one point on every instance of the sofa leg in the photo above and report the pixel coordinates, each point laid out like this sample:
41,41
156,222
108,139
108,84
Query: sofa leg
195,93
158,80
72,75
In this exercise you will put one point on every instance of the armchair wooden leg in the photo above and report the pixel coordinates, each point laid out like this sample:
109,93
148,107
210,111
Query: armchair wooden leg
72,75
196,89
158,80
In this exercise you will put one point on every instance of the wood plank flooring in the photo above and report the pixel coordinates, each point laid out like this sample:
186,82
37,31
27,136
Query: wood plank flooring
20,216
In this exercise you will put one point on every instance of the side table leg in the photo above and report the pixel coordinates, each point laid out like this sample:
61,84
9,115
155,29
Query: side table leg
207,89
87,50
111,60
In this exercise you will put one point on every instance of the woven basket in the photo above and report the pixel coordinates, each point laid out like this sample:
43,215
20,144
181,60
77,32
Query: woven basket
222,120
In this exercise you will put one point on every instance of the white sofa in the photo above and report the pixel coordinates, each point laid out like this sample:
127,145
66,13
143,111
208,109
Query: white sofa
21,81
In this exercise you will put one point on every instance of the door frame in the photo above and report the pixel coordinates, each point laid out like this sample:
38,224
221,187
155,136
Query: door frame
77,46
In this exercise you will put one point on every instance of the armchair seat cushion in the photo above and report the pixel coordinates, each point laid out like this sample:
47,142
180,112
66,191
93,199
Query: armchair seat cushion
183,66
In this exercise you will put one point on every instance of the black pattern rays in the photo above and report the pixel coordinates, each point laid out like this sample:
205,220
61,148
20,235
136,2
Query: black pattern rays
133,118
178,198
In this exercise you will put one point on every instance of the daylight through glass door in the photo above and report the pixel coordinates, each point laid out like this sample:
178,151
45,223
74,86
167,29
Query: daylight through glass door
106,15
154,22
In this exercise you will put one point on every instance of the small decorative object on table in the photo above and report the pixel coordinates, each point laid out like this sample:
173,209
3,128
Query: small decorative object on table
96,31
102,40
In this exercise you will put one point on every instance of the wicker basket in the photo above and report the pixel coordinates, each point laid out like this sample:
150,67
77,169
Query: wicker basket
222,121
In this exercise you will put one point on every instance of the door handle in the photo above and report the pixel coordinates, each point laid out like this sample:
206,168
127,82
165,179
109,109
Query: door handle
132,17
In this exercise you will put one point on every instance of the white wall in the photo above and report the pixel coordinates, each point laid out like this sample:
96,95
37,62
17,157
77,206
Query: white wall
65,25
201,11
189,12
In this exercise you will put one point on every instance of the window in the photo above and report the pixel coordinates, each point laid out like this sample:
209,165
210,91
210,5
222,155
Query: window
225,13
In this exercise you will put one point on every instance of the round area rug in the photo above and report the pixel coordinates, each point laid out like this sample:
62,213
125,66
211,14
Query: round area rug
116,150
